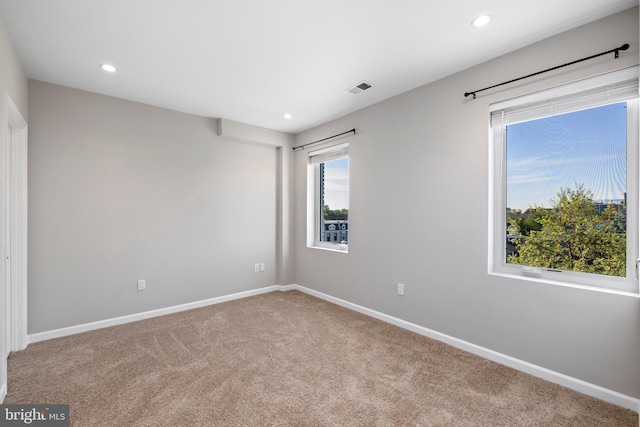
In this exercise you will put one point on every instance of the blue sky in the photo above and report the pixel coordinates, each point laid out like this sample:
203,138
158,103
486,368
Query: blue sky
336,183
586,147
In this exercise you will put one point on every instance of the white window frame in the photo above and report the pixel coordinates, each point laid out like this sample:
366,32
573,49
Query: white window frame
314,220
497,185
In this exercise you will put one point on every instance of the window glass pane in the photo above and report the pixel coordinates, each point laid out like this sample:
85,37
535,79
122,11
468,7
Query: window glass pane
566,191
334,200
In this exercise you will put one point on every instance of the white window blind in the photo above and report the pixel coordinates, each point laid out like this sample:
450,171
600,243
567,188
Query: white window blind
605,89
327,154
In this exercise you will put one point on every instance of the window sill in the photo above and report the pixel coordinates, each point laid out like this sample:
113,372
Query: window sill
330,248
565,284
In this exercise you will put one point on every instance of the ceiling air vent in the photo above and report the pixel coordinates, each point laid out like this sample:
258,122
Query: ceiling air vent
358,88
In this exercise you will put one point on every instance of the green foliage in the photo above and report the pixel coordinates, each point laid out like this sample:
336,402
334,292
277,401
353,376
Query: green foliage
572,236
525,222
329,214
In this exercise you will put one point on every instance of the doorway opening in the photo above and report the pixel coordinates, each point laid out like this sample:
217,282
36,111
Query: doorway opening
13,235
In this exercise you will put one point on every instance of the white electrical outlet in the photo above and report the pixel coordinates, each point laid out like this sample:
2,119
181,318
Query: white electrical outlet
400,289
256,268
142,285
262,266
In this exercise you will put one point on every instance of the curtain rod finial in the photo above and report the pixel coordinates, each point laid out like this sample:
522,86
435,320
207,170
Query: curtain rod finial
623,47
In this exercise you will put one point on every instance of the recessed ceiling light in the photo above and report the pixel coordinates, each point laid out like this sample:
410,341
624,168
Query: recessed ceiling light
108,68
287,116
481,21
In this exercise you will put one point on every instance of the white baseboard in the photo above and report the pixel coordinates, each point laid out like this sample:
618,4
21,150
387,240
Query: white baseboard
72,330
3,392
529,368
537,371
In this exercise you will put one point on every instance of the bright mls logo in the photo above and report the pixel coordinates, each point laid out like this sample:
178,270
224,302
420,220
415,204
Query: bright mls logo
34,415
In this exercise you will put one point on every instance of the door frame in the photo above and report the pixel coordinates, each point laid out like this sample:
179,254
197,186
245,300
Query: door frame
13,247
17,141
18,226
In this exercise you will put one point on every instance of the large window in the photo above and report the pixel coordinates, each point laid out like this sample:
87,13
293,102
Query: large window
565,186
328,205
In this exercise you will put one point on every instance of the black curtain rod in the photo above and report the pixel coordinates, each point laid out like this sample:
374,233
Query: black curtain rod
616,50
320,140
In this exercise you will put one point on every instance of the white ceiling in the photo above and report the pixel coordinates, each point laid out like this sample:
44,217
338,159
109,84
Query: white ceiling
254,60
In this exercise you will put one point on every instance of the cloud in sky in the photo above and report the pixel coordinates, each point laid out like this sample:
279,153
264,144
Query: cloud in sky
336,184
586,147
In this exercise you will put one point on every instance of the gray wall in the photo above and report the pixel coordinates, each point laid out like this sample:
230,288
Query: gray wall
121,191
420,162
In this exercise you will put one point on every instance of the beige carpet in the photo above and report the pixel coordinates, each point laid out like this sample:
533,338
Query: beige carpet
286,359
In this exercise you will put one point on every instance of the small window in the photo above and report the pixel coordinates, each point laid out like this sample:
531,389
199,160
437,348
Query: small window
328,203
565,168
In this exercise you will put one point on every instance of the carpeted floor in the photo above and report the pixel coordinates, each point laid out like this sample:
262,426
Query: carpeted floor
286,359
